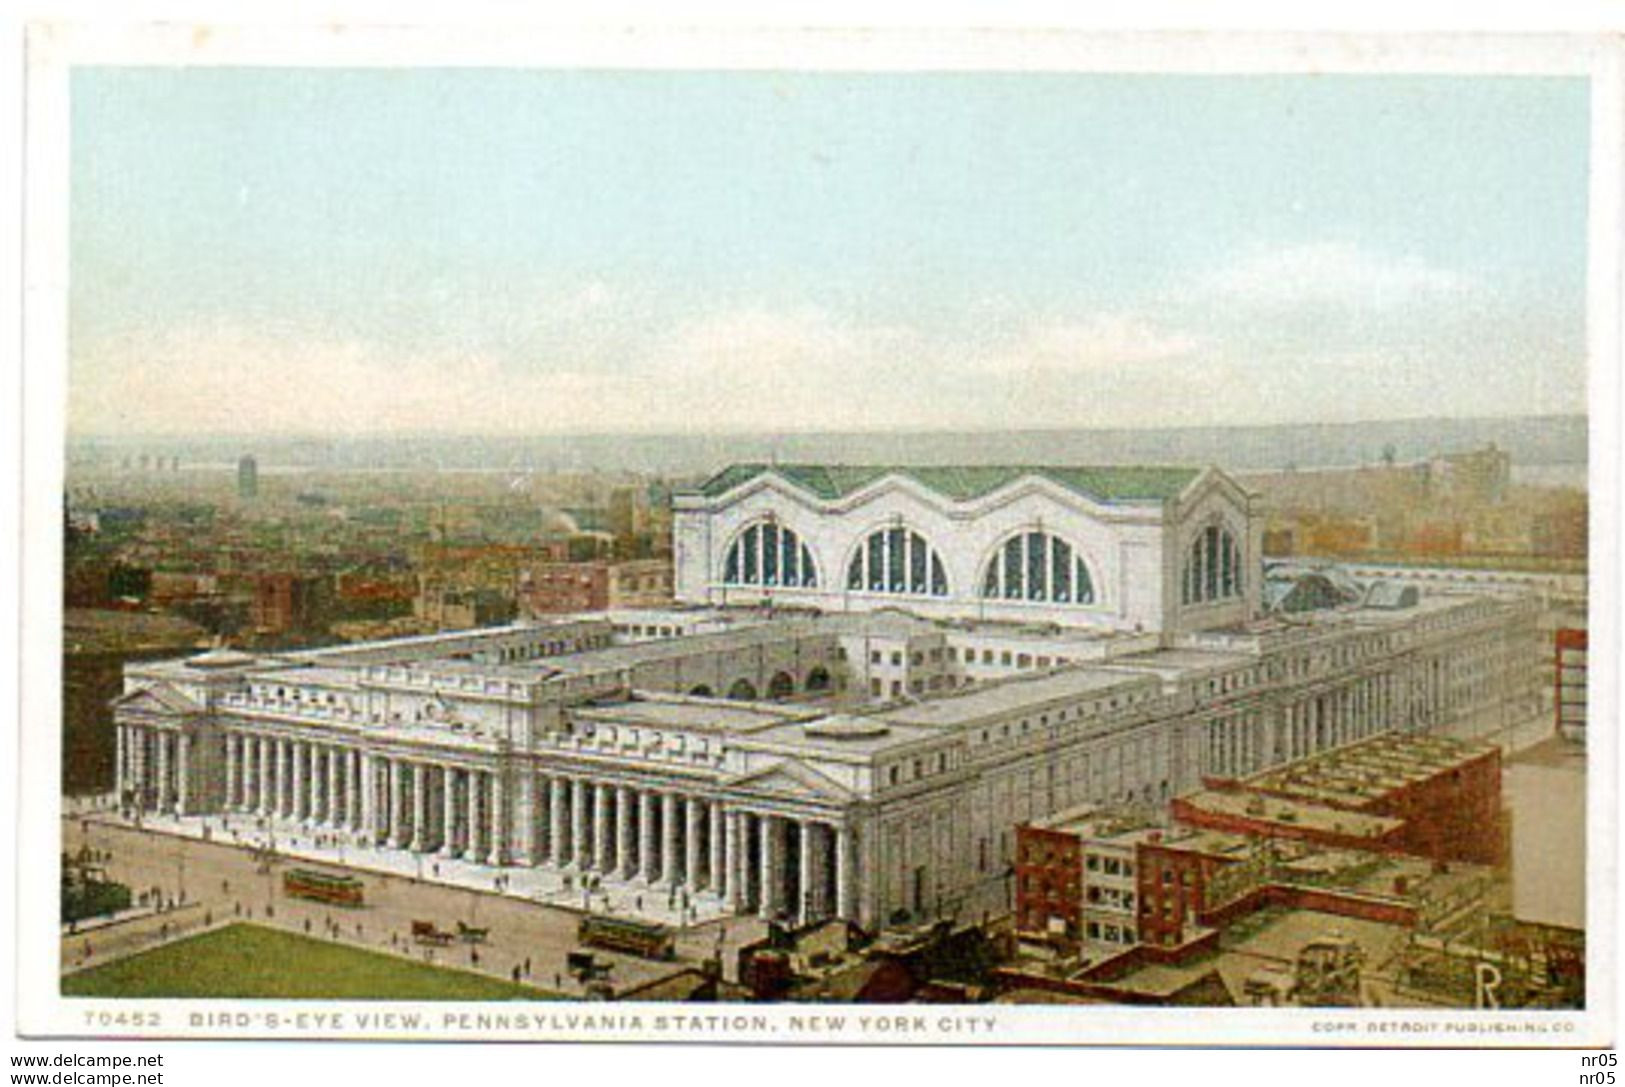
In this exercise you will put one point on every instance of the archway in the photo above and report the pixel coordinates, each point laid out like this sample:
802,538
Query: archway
818,679
743,691
781,686
700,690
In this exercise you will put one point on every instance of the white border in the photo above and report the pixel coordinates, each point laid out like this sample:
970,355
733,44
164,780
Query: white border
55,47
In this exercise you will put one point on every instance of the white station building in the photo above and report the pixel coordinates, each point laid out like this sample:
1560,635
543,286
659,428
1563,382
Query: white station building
870,678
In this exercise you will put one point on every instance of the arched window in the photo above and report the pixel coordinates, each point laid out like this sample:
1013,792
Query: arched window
1213,567
899,561
1036,565
769,554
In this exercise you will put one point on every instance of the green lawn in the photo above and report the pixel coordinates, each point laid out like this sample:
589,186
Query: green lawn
251,962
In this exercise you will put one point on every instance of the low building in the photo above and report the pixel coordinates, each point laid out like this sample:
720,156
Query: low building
565,587
1427,796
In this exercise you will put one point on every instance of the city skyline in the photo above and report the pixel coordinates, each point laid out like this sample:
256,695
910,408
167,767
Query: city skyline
562,252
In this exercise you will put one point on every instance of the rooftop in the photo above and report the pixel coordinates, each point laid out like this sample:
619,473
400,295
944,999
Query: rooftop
1022,692
1275,810
1360,773
1104,483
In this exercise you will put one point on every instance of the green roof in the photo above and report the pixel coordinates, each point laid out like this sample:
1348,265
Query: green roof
1107,483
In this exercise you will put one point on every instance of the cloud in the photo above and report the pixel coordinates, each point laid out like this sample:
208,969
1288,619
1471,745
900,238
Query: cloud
1330,274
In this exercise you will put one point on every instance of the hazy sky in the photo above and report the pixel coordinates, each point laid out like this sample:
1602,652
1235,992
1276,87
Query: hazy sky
284,250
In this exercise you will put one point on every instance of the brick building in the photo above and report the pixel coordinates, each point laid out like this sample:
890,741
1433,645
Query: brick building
557,588
1422,795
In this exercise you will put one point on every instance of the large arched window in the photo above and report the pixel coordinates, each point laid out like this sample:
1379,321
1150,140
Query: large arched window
1213,567
769,554
1038,566
897,560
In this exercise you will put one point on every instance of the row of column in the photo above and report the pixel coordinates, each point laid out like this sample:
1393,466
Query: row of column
775,865
153,768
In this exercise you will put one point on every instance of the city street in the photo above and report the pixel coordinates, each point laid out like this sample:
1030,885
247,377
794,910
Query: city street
209,883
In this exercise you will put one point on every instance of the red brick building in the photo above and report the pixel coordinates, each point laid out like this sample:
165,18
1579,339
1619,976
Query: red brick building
1049,881
553,588
1421,795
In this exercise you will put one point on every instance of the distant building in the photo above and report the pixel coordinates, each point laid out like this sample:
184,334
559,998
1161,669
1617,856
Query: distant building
283,603
554,588
248,477
461,607
1571,683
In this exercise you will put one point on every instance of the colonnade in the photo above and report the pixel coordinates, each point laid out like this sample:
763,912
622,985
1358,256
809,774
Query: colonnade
673,841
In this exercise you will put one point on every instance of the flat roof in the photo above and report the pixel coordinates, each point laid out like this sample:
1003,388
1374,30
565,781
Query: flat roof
705,715
1177,663
1370,769
1016,693
617,657
1291,812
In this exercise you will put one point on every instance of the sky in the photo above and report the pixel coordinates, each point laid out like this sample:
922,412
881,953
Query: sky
328,251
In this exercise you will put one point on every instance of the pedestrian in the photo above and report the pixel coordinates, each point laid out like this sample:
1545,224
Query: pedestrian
307,926
558,981
516,973
527,966
208,918
474,955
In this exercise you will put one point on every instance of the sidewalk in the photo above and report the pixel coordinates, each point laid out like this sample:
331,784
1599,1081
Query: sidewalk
290,842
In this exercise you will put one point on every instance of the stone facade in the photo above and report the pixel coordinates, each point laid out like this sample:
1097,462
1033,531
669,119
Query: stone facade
866,762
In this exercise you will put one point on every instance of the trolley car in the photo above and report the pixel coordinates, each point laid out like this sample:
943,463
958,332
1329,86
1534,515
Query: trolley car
643,938
322,887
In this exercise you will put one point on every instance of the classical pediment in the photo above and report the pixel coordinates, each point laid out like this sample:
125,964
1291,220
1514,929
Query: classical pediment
158,700
790,781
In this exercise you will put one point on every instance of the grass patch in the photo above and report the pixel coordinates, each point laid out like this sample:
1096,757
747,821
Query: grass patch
248,962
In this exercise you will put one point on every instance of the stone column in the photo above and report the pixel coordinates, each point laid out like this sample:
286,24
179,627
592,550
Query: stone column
601,826
524,818
694,810
732,891
770,888
623,832
121,771
266,788
714,824
448,812
846,884
400,799
138,765
499,820
558,828
234,747
646,836
165,797
285,778
669,857
183,774
471,848
352,789
420,806
803,910
579,845
369,799
335,817
250,773
297,753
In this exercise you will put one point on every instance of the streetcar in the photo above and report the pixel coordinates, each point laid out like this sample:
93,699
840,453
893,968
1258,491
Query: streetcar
322,887
642,938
